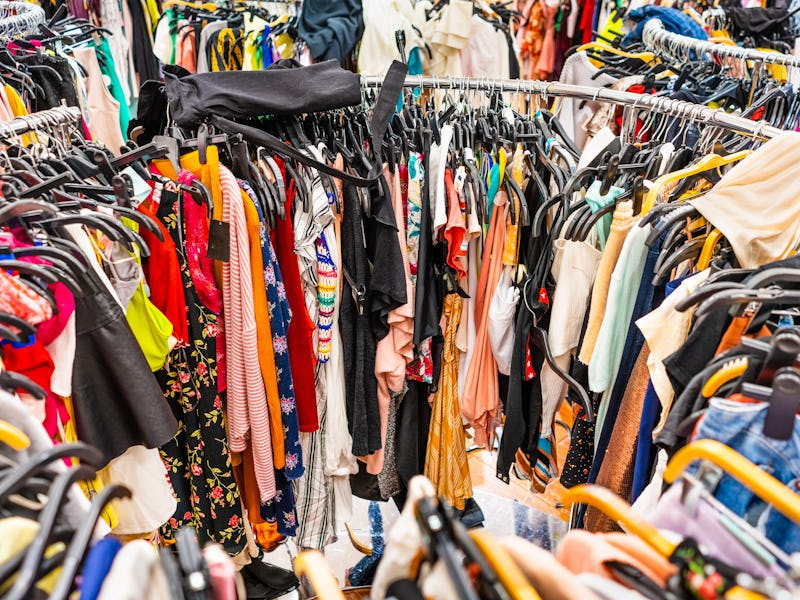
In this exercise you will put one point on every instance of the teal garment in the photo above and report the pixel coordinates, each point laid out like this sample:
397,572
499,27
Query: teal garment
622,293
493,185
596,202
108,68
415,62
414,68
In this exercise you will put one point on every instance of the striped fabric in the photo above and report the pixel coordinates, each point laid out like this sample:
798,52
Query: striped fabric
248,416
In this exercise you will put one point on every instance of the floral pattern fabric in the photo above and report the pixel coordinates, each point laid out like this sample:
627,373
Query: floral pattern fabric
280,509
197,458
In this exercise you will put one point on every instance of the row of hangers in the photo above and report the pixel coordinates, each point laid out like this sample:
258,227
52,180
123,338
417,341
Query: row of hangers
74,182
39,489
479,567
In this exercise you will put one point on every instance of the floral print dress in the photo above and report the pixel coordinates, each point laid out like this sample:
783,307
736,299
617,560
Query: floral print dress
197,458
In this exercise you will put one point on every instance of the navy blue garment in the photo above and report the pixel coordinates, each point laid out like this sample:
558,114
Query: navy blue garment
651,411
97,565
647,297
642,469
672,19
331,28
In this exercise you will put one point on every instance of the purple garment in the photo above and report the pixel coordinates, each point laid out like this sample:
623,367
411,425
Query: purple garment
699,518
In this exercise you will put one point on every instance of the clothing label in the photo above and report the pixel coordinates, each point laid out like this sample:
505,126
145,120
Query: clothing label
219,241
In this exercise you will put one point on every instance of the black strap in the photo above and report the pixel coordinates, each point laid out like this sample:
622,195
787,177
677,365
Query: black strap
382,113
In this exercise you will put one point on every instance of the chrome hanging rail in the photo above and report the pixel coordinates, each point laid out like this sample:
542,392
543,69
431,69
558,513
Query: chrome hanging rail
19,18
656,38
696,112
43,119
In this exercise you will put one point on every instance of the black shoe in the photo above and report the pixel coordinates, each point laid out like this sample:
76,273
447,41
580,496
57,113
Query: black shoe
472,515
264,581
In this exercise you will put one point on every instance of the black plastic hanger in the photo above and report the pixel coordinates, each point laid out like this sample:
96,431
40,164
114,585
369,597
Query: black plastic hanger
11,482
79,547
784,401
11,382
193,565
39,271
34,553
539,337
690,249
25,328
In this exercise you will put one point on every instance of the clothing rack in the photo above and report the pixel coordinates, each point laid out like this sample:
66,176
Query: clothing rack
657,38
19,18
678,108
60,115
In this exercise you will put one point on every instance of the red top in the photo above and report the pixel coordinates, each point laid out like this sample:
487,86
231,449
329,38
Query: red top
163,275
301,327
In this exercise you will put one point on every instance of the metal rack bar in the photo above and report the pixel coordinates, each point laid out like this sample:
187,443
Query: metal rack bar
60,115
655,37
678,108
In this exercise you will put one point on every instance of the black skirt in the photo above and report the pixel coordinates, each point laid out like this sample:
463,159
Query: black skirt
116,398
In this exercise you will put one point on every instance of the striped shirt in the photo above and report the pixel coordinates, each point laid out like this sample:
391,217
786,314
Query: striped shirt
247,412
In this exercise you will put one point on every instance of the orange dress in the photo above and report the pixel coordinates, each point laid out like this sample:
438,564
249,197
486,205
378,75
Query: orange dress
481,398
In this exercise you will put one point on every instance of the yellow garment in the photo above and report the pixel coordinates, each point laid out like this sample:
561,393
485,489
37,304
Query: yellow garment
90,488
253,28
20,110
778,72
612,29
446,462
511,248
152,329
151,14
285,45
228,55
16,534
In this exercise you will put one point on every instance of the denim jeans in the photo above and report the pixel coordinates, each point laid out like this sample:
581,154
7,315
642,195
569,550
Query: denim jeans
740,426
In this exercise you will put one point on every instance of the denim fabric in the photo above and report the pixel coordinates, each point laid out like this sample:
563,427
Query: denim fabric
740,426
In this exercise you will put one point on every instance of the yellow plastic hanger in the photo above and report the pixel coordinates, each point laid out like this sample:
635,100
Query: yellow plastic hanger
759,482
312,564
620,511
707,253
738,593
727,372
694,16
707,163
723,38
207,6
647,57
357,543
513,580
13,436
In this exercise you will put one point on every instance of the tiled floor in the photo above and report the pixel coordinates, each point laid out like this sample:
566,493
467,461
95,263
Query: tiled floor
509,509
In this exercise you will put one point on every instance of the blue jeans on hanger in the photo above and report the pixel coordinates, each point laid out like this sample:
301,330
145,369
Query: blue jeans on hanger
740,426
